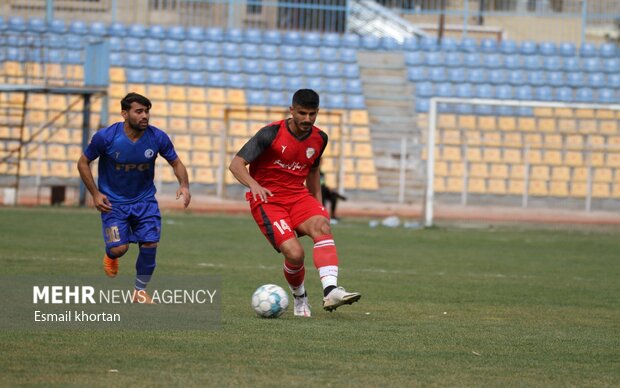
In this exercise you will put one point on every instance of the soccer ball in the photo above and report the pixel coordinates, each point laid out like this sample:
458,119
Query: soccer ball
269,301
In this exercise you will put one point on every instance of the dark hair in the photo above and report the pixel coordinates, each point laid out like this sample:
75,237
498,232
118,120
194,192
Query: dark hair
134,97
306,98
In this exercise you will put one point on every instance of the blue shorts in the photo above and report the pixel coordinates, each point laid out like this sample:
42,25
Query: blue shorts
138,222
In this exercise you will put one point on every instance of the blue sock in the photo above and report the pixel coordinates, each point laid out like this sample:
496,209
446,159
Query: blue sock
145,266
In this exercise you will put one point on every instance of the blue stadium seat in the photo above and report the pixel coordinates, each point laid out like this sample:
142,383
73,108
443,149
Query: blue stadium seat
234,35
606,95
476,76
483,91
157,77
17,23
136,76
330,39
314,83
433,58
36,25
192,48
575,79
116,44
584,95
312,69
528,48
464,90
536,78
472,60
416,74
329,54
294,83
388,43
488,45
355,101
335,85
175,62
444,89
233,65
332,70
155,61
411,44
194,63
216,80
256,81
516,77
57,27
212,64
309,53
453,59
231,50
252,67
57,41
455,75
428,43
350,70
547,48
424,89
595,80
414,58
370,42
492,61
312,38
588,50
272,37
613,80
156,31
607,50
532,62
292,68
2,23
591,64
134,60
335,101
255,97
290,53
235,81
98,29
73,57
117,29
172,47
552,63
117,59
211,49
176,33
354,86
197,79
571,64
196,33
269,51
503,92
497,76
567,49
50,55
177,78
611,65
422,105
555,78
151,46
214,34
253,35
512,61
348,55
292,38
277,98
351,41
508,47
250,51
134,31
544,93
564,94
437,74
524,92
449,44
75,42
271,67
469,45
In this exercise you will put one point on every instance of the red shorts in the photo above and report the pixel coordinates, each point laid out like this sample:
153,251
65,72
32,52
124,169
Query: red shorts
279,217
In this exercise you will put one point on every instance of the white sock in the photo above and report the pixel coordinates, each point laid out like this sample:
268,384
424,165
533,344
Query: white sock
329,276
298,291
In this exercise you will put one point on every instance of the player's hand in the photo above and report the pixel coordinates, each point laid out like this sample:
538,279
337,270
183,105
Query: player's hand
187,197
261,192
102,203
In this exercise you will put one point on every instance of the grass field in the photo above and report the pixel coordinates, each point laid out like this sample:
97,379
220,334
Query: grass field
441,307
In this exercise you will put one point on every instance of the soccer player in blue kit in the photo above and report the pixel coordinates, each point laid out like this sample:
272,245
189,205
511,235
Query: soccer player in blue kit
126,193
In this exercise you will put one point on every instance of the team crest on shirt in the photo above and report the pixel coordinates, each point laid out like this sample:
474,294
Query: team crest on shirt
148,153
309,152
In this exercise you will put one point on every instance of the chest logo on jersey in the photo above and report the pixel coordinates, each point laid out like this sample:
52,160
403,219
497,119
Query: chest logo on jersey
290,166
310,152
149,153
132,166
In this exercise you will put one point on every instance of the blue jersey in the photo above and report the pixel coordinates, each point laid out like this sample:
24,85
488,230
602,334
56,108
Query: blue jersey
127,169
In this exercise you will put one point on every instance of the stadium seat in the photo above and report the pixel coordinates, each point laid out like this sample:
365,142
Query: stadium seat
156,31
292,68
455,74
370,42
73,58
194,63
544,93
232,66
315,83
212,64
424,89
136,76
172,47
234,80
492,61
595,80
293,83
76,42
252,67
472,60
272,37
329,54
468,45
516,77
528,47
503,92
555,78
312,69
312,38
410,44
476,76
151,46
292,38
575,79
275,83
388,43
135,31
552,63
606,95
449,44
437,74
607,50
255,81
177,77
588,50
57,27
584,95
355,102
17,24
354,86
591,64
497,76
351,41
488,45
332,70
508,47
234,35
157,77
155,62
176,32
197,79
564,94
348,55
532,62
512,61
611,65
231,50
524,92
278,99
567,49
453,59
547,48
536,78
414,58
613,80
250,51
433,59
117,29
290,53
36,25
253,35
483,91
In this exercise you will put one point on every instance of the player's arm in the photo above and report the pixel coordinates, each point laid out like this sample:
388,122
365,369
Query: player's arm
313,183
181,173
101,201
238,167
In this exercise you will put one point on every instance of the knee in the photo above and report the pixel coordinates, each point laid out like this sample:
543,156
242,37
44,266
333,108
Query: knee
119,250
148,245
323,227
294,256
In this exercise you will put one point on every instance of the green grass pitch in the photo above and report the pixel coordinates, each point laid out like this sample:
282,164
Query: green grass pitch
443,306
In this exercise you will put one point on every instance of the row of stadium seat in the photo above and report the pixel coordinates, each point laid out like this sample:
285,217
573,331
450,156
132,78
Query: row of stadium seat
296,38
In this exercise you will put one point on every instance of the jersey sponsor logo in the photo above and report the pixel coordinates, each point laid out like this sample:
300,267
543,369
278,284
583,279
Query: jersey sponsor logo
132,166
283,148
149,153
310,152
295,166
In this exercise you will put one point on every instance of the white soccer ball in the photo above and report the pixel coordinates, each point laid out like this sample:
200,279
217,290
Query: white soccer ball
269,301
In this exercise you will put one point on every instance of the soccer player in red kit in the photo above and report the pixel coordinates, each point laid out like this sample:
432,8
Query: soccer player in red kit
282,157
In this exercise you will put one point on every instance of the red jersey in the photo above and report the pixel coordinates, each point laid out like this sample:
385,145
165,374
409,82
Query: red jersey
281,161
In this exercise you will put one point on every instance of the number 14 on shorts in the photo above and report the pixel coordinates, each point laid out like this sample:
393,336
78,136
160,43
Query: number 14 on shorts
282,226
